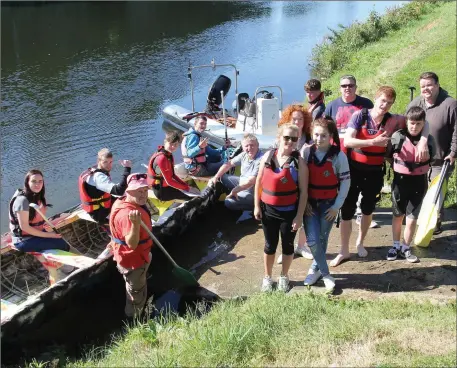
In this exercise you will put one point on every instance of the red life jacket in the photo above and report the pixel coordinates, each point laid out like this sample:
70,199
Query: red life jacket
123,254
323,182
37,222
155,180
279,189
88,203
404,158
201,155
373,156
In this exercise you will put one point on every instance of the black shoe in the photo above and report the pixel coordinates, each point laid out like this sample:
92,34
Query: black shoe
438,228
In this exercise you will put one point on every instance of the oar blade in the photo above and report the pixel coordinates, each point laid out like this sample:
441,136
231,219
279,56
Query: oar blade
425,230
186,278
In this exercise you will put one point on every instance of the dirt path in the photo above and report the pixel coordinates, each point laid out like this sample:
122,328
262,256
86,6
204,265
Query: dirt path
231,265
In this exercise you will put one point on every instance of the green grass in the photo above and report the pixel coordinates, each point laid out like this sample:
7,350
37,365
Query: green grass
426,44
292,330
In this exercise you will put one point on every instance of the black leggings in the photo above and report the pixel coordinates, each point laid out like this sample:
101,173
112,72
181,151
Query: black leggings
275,222
169,193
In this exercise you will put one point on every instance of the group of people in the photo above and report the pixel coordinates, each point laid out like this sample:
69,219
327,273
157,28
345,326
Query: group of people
327,161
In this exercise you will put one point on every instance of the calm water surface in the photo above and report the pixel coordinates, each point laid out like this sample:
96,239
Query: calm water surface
79,76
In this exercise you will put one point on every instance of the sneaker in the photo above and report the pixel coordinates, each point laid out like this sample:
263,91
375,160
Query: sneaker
283,283
312,277
392,254
329,283
267,284
304,251
438,228
361,251
408,256
373,224
279,261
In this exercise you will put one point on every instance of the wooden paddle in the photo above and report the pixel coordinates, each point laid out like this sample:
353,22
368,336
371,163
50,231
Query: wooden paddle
37,208
183,275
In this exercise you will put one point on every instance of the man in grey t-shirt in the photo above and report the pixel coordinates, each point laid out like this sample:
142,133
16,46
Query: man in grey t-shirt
241,196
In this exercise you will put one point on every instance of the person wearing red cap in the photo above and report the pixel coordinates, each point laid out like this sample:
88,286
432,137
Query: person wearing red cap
131,244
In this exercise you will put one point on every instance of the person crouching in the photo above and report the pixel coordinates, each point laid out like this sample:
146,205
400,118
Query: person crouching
280,199
130,242
409,184
329,182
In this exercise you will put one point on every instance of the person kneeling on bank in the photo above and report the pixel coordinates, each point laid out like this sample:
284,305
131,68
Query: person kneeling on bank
409,184
165,184
131,244
241,189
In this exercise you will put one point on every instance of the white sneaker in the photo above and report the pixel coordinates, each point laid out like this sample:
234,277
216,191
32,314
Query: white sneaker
283,283
361,251
329,283
304,251
312,277
279,261
267,284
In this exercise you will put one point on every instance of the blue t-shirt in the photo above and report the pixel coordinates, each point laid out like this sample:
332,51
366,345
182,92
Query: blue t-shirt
341,112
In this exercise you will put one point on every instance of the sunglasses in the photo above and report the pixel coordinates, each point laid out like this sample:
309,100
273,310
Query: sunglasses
137,177
289,138
347,85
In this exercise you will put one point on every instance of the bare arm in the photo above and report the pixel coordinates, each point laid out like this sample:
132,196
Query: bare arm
258,186
302,187
133,236
23,219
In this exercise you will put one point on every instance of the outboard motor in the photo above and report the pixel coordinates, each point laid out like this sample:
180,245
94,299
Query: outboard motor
267,113
222,83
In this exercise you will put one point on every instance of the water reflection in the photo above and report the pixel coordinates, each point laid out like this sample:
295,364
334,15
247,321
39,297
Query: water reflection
77,76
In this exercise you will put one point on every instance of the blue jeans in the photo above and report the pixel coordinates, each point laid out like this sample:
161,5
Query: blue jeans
37,244
317,230
245,200
208,169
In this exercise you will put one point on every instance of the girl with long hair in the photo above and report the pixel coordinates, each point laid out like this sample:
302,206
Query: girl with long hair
329,182
26,225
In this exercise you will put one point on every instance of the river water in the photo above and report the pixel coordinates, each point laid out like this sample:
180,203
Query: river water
79,76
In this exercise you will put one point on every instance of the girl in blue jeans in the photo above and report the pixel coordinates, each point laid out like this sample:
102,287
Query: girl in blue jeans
329,182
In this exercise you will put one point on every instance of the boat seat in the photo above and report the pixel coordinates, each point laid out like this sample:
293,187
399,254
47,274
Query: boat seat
162,206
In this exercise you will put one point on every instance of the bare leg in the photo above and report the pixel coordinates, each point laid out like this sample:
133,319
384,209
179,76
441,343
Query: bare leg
268,261
346,229
396,227
410,228
286,262
363,230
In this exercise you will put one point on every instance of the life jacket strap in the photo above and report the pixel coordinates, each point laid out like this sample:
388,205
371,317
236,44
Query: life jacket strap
97,201
122,242
279,194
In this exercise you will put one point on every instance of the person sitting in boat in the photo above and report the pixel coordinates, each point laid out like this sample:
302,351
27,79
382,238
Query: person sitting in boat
199,158
131,243
96,190
281,192
410,182
299,115
329,182
241,188
315,97
162,179
26,225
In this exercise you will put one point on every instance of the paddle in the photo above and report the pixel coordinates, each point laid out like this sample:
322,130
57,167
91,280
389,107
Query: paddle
427,221
37,208
183,275
225,120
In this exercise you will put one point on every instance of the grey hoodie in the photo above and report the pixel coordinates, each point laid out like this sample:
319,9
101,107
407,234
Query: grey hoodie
442,117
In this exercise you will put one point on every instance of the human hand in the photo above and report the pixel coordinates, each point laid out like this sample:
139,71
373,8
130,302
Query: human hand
296,223
451,159
227,143
381,140
422,153
203,142
257,213
125,163
212,181
54,236
134,217
234,194
330,214
308,210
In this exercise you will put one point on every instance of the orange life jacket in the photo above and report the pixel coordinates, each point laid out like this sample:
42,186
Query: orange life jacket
37,222
123,254
201,155
279,189
88,203
156,180
374,155
323,182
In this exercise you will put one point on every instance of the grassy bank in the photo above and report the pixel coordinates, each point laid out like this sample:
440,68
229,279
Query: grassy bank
425,43
292,330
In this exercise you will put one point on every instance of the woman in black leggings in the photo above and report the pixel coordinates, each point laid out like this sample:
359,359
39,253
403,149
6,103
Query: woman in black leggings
280,199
